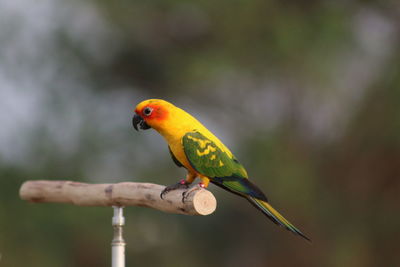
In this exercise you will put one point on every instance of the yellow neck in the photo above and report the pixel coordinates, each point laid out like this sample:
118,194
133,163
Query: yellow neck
177,125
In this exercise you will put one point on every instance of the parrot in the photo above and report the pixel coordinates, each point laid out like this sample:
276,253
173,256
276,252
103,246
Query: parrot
193,147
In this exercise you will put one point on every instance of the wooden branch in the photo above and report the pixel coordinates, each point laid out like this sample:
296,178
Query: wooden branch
198,202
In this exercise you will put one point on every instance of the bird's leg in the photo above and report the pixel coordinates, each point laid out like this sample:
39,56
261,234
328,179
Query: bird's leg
203,184
184,183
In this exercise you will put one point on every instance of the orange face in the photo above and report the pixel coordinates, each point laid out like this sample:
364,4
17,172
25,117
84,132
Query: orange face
152,111
149,113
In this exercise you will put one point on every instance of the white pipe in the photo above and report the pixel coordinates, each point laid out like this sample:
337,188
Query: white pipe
118,242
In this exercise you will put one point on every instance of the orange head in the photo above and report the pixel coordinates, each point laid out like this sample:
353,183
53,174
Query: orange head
150,113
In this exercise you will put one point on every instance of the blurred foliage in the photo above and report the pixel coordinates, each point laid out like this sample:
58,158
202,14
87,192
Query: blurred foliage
305,92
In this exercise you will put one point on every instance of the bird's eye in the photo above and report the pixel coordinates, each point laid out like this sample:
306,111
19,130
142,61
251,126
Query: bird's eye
147,111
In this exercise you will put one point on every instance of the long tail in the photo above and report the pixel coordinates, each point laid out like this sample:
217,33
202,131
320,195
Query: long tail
244,188
275,216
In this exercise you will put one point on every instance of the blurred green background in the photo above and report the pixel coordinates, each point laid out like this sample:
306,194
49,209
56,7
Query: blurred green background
305,93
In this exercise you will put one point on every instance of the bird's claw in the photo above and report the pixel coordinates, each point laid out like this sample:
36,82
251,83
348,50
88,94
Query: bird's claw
181,184
186,194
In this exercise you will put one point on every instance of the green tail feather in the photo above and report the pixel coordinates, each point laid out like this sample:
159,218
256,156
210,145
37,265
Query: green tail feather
275,216
244,188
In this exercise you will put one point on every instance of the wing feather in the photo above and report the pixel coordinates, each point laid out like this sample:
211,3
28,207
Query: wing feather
208,159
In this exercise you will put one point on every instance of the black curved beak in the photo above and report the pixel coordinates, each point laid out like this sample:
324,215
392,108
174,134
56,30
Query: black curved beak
139,120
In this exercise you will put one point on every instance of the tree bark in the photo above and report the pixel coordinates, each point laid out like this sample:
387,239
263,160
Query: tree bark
197,202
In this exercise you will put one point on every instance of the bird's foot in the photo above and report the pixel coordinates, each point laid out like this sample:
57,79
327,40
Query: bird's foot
196,187
181,184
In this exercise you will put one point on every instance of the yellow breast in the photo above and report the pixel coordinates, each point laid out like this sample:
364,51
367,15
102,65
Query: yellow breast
179,153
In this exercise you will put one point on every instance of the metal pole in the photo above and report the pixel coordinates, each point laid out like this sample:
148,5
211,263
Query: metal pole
118,242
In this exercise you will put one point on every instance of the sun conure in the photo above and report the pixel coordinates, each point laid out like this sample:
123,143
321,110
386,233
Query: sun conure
195,148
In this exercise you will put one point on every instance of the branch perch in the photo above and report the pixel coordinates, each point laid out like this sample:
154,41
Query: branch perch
198,202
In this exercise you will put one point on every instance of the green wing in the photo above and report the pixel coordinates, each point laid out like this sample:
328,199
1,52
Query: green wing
210,160
223,170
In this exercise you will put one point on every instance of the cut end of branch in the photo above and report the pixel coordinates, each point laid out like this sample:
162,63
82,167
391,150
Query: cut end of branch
204,202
